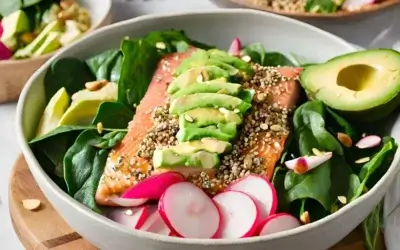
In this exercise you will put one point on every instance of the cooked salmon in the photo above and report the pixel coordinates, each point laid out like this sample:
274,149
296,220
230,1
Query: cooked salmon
123,159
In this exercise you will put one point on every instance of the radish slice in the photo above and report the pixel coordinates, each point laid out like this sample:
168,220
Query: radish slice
133,218
239,215
1,29
260,190
154,186
369,141
351,5
125,202
154,223
189,212
278,223
305,163
5,53
235,47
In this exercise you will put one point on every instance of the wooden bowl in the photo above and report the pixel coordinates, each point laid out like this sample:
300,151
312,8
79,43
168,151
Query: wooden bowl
15,73
362,13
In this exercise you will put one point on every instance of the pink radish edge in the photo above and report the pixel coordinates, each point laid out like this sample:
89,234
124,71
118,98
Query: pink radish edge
154,186
230,209
134,219
369,141
169,204
290,222
310,161
5,53
125,202
154,223
234,48
274,198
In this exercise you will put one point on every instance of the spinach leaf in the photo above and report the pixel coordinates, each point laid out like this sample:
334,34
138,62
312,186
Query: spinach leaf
322,6
35,12
278,180
9,6
58,131
368,169
173,41
344,126
84,165
70,73
138,66
106,65
110,140
257,53
113,115
372,229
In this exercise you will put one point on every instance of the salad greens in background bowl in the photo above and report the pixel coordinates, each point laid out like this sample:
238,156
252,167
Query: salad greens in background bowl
168,123
31,31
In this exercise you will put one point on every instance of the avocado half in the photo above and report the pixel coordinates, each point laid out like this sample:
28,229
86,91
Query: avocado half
363,85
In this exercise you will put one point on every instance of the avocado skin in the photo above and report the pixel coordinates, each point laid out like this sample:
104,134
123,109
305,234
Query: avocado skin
222,132
204,100
372,57
209,87
167,158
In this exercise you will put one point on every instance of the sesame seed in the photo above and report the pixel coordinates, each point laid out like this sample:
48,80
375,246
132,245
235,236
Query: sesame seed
160,45
342,199
129,212
99,127
362,160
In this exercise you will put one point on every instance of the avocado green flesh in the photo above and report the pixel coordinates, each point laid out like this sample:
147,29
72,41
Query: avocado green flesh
167,158
209,87
357,82
210,145
204,100
205,73
208,116
234,61
222,132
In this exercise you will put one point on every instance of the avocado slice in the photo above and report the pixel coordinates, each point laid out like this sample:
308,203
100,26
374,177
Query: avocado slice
191,63
13,24
241,65
53,112
222,132
85,104
363,85
40,39
203,100
202,117
210,145
191,76
167,158
209,87
71,33
51,44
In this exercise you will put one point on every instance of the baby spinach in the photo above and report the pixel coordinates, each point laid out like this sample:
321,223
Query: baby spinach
70,73
257,53
372,229
341,124
138,66
106,65
322,6
84,163
35,10
113,115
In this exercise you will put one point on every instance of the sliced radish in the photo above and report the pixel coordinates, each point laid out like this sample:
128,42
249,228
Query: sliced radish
131,217
154,223
5,53
260,190
305,163
125,202
356,4
189,212
239,215
278,223
235,47
154,186
1,29
369,141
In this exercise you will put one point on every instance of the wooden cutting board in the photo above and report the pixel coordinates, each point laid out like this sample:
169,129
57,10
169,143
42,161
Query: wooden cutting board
45,229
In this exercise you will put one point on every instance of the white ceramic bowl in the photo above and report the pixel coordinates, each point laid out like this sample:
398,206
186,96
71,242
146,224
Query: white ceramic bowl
215,27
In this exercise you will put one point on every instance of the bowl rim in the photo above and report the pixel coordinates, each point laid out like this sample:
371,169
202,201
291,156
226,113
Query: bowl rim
15,62
48,184
370,9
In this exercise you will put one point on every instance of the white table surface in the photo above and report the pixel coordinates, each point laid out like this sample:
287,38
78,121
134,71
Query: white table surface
361,33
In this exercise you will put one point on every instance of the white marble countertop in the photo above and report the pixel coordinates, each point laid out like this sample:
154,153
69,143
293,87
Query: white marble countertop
361,33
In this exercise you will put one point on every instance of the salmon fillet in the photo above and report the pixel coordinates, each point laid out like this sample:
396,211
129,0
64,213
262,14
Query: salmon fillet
123,159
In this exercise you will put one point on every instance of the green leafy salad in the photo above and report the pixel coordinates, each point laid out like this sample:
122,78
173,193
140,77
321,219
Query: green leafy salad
241,143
